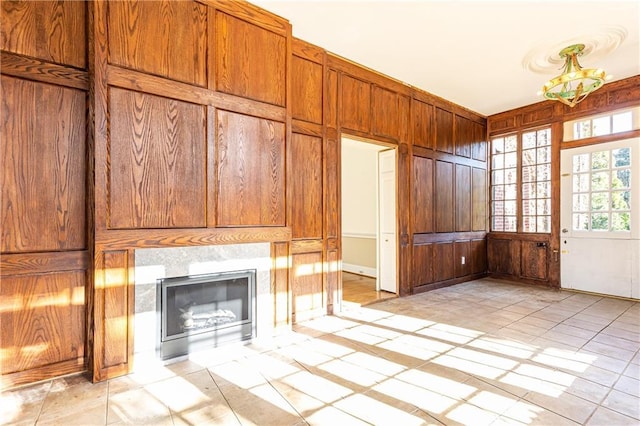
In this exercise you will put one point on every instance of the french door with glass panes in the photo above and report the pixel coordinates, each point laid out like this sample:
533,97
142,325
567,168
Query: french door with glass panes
600,218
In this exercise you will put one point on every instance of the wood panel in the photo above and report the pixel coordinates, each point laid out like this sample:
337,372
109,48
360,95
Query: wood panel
41,263
42,319
251,171
355,104
250,61
463,136
422,124
499,256
45,72
158,157
422,262
462,258
384,113
306,286
115,301
163,37
47,30
478,199
42,142
479,142
306,186
534,259
444,206
306,90
463,194
334,282
331,99
444,130
422,195
332,188
478,256
443,261
280,285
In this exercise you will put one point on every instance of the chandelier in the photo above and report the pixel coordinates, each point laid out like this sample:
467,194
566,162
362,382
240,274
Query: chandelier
575,83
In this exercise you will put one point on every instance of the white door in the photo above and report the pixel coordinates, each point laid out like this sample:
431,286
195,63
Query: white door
387,277
599,220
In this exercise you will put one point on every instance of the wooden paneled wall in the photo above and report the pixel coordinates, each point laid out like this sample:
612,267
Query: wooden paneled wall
534,258
43,146
141,124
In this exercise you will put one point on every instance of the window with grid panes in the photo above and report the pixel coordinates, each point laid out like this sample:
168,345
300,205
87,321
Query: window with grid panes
521,182
536,181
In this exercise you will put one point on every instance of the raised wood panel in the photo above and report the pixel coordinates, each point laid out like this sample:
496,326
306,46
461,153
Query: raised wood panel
280,284
332,187
422,272
478,199
499,256
115,300
479,142
463,198
628,93
165,38
422,195
42,317
47,30
478,256
463,136
462,258
42,145
158,157
501,123
306,90
444,130
306,286
443,261
355,105
422,124
251,171
250,61
306,186
444,205
334,288
331,99
384,113
539,115
534,259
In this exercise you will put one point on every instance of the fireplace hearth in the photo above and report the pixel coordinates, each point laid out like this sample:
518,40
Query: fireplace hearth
204,311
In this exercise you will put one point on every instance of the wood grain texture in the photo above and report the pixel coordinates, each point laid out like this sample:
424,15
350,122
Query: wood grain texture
355,104
443,261
422,271
250,61
39,263
479,142
42,319
307,291
331,99
333,288
332,188
463,136
45,72
252,13
479,209
499,256
444,130
306,88
463,194
385,114
444,201
422,195
251,171
306,246
115,300
422,124
162,37
306,186
53,31
280,285
157,162
534,260
42,142
478,256
462,249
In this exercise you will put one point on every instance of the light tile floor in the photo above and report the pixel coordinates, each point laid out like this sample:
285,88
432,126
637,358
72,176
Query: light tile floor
485,352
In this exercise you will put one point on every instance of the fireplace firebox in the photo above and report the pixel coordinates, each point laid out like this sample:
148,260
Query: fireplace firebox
200,311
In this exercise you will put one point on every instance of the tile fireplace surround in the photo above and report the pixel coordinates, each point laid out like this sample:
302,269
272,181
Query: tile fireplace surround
155,263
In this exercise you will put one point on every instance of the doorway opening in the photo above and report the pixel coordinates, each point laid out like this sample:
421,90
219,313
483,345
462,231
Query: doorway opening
369,236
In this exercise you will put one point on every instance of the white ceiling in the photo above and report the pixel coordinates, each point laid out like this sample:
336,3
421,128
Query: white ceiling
488,56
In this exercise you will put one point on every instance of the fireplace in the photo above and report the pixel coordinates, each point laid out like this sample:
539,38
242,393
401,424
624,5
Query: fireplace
203,311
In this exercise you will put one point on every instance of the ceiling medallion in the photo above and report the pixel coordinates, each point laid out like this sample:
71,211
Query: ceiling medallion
575,83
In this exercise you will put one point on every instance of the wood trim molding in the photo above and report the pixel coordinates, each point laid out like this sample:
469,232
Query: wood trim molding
45,72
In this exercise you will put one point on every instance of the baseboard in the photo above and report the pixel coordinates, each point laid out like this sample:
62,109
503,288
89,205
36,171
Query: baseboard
360,270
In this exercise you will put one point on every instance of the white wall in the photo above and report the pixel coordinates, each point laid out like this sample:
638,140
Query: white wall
359,205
